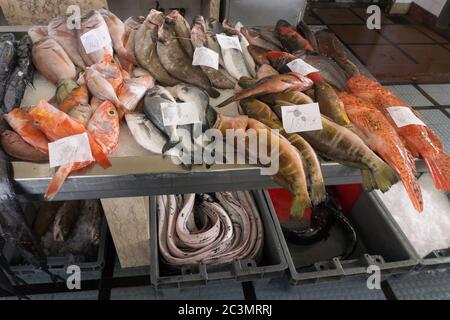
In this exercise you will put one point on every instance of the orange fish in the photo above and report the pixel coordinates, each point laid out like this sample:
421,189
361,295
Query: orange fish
22,123
420,140
292,40
104,128
77,96
377,132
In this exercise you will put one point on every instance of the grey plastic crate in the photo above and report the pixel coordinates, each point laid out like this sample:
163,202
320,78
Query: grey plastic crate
272,264
380,243
90,270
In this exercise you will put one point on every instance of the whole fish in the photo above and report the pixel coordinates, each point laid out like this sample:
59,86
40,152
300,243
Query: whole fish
116,30
257,40
16,147
330,104
306,32
290,174
145,132
52,61
234,61
218,78
21,77
342,145
331,47
36,33
81,113
291,39
93,20
58,30
22,123
419,139
182,31
133,90
65,220
272,84
146,51
7,60
101,88
45,217
258,54
259,111
64,89
213,44
111,71
178,64
377,132
265,71
268,34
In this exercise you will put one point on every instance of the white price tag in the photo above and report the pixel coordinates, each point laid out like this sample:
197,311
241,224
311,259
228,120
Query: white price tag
299,118
75,148
227,42
179,113
96,39
205,57
300,66
403,116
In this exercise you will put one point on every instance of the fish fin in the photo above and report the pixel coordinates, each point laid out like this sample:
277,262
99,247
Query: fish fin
318,193
57,181
227,102
439,168
98,153
169,145
299,205
413,190
384,177
213,93
368,180
434,138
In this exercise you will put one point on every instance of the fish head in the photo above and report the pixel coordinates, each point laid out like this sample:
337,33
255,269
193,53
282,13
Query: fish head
282,23
200,21
104,126
58,23
155,17
198,36
9,137
165,33
173,17
91,20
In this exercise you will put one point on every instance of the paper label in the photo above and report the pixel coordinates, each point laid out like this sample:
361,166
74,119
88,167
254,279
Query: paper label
179,113
299,118
205,57
227,42
95,39
75,148
403,116
300,66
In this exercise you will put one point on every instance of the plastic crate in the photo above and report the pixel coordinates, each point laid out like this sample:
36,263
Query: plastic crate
272,264
90,270
380,243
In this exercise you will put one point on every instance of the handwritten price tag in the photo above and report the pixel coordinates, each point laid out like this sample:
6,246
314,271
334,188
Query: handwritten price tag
175,114
300,66
299,118
75,148
227,42
205,57
96,39
403,116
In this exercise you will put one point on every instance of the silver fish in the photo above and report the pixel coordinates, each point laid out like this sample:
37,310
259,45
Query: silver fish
145,132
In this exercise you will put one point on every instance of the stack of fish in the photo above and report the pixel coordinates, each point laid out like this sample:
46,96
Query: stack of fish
210,229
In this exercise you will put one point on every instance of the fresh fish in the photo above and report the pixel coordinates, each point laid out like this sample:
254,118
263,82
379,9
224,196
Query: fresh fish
182,31
116,30
16,147
36,33
76,97
146,51
268,34
258,54
290,174
133,90
215,26
218,78
331,47
234,63
132,24
265,71
249,62
81,113
100,87
381,137
330,104
271,84
291,39
52,61
259,111
279,59
295,97
178,64
306,32
7,60
419,139
91,21
22,123
257,40
20,77
65,220
58,30
64,89
145,132
45,217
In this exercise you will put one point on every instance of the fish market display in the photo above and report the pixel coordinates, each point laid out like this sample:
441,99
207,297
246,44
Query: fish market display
210,229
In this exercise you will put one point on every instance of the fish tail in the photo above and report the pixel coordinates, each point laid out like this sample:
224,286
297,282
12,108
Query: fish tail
299,205
318,192
368,180
439,168
384,176
226,102
413,190
213,93
58,179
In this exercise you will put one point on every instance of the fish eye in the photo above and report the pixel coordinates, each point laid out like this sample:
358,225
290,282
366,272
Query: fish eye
111,112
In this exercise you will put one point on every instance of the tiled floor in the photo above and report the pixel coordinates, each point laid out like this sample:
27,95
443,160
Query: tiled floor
355,34
340,16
